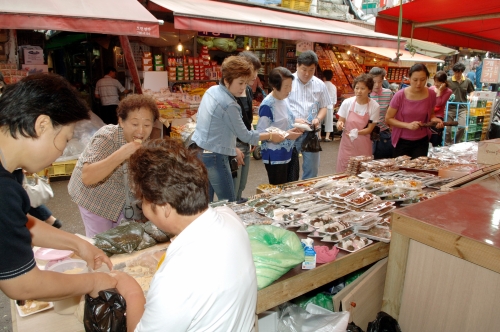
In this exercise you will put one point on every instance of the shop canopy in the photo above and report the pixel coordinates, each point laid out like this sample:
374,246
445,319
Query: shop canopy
390,53
116,17
469,24
254,20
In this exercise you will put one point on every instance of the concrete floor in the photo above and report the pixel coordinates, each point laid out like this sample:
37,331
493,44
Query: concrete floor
64,209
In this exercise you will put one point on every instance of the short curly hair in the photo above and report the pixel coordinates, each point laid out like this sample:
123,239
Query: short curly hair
365,78
164,171
135,102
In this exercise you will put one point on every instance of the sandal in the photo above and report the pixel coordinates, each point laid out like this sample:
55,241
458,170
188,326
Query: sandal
327,140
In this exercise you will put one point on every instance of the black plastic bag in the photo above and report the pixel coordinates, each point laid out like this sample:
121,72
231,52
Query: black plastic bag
311,142
105,313
353,328
124,238
383,323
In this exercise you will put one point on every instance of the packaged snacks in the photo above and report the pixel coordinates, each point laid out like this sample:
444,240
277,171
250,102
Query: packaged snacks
353,244
379,233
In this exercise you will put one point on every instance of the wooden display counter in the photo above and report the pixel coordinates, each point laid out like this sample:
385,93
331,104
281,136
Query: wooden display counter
291,285
444,262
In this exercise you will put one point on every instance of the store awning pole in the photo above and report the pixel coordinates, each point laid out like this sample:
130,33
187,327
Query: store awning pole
400,27
129,58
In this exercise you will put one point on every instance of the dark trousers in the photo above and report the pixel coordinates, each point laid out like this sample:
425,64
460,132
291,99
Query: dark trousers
383,147
414,149
277,173
293,170
108,114
42,212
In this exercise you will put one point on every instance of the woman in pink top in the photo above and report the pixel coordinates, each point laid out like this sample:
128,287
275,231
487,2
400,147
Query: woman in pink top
409,109
443,93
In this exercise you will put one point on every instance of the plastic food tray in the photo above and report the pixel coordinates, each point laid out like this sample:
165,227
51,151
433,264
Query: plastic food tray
24,314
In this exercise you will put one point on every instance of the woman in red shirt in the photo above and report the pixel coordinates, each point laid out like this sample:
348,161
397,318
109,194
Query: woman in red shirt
443,93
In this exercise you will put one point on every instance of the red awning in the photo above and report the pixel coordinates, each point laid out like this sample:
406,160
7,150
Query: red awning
470,24
116,17
251,20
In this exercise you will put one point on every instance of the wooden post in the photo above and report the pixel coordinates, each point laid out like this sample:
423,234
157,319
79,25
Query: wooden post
129,58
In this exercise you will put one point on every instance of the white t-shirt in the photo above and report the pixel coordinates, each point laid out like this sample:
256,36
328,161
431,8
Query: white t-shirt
372,107
332,92
207,281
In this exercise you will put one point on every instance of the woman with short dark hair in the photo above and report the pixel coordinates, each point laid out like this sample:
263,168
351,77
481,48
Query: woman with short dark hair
443,93
37,119
358,116
274,111
409,109
99,183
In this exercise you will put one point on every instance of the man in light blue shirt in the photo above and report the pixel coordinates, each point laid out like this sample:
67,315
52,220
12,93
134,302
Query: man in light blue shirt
308,100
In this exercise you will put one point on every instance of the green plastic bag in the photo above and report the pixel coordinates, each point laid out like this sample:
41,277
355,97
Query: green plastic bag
275,251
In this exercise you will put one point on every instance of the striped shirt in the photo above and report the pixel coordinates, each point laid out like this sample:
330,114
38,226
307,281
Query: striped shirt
383,99
105,198
108,89
307,99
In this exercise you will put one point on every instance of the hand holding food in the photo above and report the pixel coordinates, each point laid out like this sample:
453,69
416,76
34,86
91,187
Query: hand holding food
439,124
128,149
413,125
294,133
276,138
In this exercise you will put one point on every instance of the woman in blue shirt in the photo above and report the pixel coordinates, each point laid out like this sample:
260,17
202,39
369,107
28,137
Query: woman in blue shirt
275,111
219,123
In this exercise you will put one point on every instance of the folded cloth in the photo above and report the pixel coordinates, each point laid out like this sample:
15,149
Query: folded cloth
353,134
325,255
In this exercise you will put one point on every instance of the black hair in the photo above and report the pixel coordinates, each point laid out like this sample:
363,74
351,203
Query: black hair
328,74
277,76
377,71
110,69
418,67
441,77
40,94
365,78
458,67
252,58
307,59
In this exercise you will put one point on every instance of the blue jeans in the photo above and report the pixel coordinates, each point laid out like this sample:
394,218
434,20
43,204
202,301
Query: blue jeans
310,160
219,176
42,212
240,181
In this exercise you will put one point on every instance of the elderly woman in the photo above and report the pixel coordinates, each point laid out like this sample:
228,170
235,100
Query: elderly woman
358,116
99,183
37,119
408,110
275,112
220,122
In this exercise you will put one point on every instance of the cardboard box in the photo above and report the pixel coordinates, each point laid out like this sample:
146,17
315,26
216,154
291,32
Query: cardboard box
147,68
34,69
32,55
147,61
159,67
488,152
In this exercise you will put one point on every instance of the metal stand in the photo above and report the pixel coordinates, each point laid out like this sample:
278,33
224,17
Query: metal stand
457,104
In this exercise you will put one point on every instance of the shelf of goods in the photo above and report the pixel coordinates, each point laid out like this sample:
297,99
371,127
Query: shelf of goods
290,58
344,66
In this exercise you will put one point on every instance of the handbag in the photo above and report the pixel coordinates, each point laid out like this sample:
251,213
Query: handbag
40,193
233,164
311,142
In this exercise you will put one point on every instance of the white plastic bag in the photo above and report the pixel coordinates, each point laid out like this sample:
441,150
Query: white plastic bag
314,319
40,193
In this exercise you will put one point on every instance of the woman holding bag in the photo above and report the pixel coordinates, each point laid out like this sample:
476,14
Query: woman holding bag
358,116
99,183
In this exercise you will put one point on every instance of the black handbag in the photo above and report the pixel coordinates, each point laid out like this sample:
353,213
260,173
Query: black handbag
311,142
233,164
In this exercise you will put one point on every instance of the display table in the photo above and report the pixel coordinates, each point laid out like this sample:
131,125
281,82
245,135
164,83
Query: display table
295,283
444,262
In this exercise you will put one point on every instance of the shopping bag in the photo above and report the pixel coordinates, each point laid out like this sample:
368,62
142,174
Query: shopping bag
40,193
311,142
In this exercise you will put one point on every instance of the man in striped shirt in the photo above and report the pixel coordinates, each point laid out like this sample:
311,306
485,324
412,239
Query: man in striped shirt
308,101
108,89
382,148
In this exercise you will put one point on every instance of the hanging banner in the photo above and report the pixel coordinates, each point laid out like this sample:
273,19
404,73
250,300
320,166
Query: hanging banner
215,34
491,71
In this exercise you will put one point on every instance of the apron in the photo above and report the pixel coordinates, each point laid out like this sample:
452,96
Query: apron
361,146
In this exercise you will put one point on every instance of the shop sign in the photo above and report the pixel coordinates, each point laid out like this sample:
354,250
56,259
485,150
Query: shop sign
215,34
302,46
491,71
